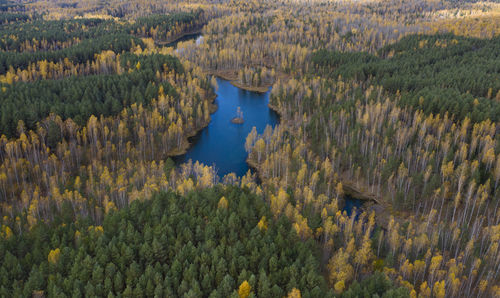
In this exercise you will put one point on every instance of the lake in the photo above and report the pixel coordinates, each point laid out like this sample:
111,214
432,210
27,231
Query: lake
222,143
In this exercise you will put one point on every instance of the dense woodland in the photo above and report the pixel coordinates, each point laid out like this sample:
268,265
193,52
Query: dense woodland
127,79
435,73
206,243
395,102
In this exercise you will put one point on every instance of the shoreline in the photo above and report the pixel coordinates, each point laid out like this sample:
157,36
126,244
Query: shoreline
371,202
186,144
176,38
232,77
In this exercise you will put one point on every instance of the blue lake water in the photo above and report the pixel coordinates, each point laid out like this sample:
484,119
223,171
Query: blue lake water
352,204
222,143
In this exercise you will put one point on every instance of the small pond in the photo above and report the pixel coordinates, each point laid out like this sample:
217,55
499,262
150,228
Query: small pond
351,204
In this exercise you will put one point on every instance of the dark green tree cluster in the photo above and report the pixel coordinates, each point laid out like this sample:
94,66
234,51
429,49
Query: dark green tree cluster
80,97
15,34
376,285
437,73
86,37
169,246
13,17
79,53
163,23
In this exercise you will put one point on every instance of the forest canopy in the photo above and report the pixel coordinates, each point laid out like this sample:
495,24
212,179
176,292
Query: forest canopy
80,97
392,102
437,73
206,243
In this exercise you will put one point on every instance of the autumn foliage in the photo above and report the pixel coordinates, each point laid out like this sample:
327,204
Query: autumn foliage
396,103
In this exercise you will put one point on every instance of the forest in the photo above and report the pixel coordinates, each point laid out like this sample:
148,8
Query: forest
79,98
219,242
393,103
451,74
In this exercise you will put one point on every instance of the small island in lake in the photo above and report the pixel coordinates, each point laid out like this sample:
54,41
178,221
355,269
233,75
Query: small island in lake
239,117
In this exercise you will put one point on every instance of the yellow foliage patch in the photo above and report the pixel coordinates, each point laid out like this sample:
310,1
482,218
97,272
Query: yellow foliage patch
6,232
222,203
244,290
54,254
262,225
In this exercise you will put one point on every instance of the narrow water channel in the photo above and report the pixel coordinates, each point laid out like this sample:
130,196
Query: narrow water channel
197,37
222,143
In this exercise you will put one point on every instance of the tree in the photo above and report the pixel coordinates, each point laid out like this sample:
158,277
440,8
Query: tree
294,293
244,289
259,148
439,289
339,286
54,255
53,134
222,203
262,224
